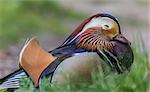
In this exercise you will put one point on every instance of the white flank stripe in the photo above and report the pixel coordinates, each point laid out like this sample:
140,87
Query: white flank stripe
12,82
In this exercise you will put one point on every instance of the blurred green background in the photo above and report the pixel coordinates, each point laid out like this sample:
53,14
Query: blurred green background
51,21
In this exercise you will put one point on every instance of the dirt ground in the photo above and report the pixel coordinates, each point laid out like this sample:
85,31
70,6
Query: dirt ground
136,10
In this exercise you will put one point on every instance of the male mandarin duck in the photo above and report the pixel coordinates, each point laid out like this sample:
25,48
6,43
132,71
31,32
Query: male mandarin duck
95,43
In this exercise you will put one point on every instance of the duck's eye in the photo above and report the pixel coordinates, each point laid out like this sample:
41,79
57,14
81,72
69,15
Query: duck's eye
106,27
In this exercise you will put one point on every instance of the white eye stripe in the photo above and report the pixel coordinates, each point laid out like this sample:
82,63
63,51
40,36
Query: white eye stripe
95,22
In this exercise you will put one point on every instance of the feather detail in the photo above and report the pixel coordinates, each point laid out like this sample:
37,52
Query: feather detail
12,80
77,31
80,28
66,50
92,40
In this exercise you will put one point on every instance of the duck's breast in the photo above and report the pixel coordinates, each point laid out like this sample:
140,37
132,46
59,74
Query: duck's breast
76,68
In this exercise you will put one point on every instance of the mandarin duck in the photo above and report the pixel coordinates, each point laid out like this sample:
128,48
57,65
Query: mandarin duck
95,43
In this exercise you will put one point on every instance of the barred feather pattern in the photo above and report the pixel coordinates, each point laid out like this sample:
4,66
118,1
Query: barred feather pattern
93,40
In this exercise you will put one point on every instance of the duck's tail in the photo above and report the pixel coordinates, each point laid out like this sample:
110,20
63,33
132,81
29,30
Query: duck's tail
11,81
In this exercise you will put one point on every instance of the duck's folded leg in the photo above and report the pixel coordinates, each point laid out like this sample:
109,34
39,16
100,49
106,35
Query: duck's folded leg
33,59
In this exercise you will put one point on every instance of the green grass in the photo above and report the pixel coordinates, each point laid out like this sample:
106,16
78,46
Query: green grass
137,80
20,18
